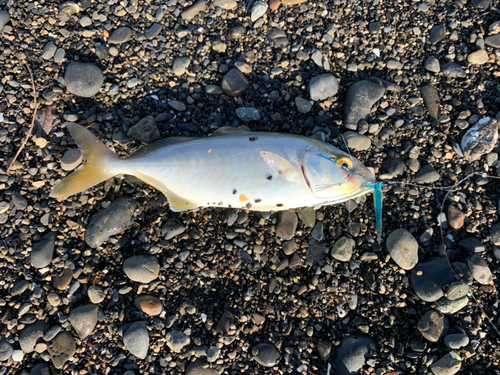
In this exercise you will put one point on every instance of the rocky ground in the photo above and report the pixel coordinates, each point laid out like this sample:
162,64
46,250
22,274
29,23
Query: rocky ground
110,281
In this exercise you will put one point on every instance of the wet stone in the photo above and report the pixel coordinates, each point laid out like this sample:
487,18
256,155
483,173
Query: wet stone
428,278
403,248
352,353
120,35
136,339
145,130
266,354
433,325
235,83
141,268
83,79
342,249
479,269
480,140
61,349
177,340
43,251
110,221
359,100
84,319
287,225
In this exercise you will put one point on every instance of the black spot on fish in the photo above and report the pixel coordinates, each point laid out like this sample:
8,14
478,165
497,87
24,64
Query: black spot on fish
249,205
258,200
252,139
270,177
279,205
235,191
229,205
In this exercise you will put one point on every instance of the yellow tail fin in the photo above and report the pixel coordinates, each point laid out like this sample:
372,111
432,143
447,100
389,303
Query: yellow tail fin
95,167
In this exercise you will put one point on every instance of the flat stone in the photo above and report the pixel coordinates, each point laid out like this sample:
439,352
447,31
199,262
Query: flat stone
40,369
356,141
83,79
351,354
432,64
43,251
61,349
323,87
426,175
450,364
452,307
154,31
141,268
199,367
258,10
213,90
62,281
145,130
317,233
457,290
248,114
172,228
431,101
49,51
148,304
136,339
479,269
289,247
110,221
393,64
456,340
453,70
478,57
235,83
360,98
303,105
178,106
287,224
472,245
266,354
194,10
96,294
19,288
342,249
437,34
316,253
19,200
433,325
480,140
456,217
71,159
120,35
30,335
180,65
84,319
403,248
428,278
493,41
177,340
4,19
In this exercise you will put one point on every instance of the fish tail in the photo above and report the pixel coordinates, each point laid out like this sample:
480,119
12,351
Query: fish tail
96,167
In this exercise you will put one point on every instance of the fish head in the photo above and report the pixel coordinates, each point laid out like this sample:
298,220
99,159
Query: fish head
336,176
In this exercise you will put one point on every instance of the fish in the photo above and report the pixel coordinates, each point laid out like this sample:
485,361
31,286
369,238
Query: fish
234,168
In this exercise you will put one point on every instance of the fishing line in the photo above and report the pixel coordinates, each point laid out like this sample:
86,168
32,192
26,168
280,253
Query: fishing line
450,189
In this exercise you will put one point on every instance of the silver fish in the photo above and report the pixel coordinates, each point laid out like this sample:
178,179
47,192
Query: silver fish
234,168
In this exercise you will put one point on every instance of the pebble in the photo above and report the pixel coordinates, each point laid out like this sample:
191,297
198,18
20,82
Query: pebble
154,31
141,268
317,233
360,98
451,307
433,325
149,305
19,201
342,249
199,367
456,290
43,251
308,217
324,349
194,10
453,70
431,101
429,277
177,340
17,355
258,10
289,247
448,365
478,57
437,34
303,105
266,354
172,228
403,248
234,83
472,245
287,225
84,319
180,65
248,114
96,294
226,4
136,339
71,159
213,90
480,140
323,87
4,19
110,221
427,175
30,335
356,141
479,269
52,333
352,353
62,281
456,217
493,41
394,166
145,130
213,354
482,4
178,106
316,253
49,51
432,64
61,349
120,35
456,340
6,351
83,79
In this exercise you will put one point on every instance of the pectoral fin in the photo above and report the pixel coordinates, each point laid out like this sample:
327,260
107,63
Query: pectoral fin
280,165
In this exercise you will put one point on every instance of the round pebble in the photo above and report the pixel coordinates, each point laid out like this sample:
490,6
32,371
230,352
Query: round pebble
403,248
149,305
83,79
141,268
136,339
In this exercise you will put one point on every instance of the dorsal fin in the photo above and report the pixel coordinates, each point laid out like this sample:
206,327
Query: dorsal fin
160,144
226,130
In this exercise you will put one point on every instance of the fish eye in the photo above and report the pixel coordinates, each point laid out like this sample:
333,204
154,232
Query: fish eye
345,162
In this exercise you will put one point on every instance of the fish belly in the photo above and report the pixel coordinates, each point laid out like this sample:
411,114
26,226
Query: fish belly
231,171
